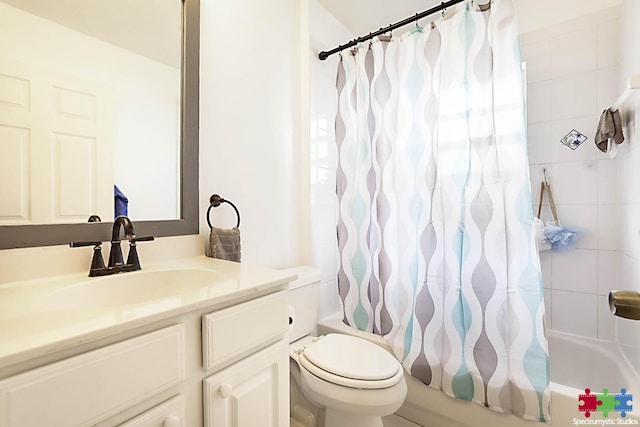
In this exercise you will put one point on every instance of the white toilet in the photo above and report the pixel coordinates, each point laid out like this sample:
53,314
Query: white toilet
354,381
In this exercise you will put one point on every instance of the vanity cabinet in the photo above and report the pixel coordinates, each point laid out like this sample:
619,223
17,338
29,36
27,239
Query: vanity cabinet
221,365
254,391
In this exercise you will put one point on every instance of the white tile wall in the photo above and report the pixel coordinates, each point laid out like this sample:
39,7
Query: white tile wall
607,86
326,33
575,270
574,95
607,272
608,50
607,182
606,322
572,73
574,183
608,227
540,143
573,51
627,331
539,60
575,313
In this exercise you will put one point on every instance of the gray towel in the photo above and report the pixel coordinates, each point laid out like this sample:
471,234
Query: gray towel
610,126
224,244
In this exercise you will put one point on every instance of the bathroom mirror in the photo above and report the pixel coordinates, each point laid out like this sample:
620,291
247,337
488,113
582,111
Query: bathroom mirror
69,150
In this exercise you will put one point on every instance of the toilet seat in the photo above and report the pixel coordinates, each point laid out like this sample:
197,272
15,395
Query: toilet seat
351,362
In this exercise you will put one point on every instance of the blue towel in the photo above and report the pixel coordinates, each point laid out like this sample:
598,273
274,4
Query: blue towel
121,203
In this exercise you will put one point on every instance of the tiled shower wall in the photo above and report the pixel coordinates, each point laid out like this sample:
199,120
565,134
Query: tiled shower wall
326,33
628,331
572,76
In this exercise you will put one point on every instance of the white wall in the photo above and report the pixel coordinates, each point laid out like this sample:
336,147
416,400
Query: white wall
325,34
628,331
572,76
249,124
145,96
536,14
630,31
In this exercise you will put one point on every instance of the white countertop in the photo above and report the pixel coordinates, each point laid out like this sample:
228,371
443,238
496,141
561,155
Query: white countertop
43,316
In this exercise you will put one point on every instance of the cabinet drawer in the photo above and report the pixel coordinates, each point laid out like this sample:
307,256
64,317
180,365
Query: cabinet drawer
234,332
167,414
86,389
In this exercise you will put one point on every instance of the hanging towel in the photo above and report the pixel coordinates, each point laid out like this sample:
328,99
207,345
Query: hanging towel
609,132
120,203
224,243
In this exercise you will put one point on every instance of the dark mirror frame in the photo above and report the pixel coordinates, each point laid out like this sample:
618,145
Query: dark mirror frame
23,236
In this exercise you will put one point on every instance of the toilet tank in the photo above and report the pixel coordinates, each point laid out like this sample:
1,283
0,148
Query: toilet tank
304,300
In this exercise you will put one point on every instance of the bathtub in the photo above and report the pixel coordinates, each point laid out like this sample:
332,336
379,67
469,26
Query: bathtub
576,363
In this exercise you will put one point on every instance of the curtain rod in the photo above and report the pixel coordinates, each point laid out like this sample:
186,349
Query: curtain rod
325,54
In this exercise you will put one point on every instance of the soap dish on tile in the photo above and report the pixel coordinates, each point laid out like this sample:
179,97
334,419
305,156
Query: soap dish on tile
573,139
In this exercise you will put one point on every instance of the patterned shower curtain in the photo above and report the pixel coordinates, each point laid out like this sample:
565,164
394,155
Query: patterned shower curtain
435,230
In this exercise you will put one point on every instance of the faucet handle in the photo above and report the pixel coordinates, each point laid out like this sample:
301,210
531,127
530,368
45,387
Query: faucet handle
97,262
133,259
82,244
141,239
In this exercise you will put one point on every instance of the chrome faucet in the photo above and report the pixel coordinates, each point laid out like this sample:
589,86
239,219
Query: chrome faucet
116,261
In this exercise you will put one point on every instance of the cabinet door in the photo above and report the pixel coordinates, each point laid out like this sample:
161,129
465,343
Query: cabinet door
252,393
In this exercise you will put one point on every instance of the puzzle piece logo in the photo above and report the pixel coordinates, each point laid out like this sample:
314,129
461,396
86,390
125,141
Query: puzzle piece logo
605,403
624,402
589,402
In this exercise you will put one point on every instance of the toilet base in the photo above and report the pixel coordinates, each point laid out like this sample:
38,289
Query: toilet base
334,418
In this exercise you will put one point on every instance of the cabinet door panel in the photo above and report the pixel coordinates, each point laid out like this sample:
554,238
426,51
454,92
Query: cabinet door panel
86,389
252,393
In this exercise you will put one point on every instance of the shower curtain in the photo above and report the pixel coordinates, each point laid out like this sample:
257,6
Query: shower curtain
435,229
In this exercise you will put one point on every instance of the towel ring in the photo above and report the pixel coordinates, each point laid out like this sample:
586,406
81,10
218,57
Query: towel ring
215,201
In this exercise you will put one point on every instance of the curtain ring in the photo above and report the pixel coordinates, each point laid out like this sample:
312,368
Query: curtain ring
417,26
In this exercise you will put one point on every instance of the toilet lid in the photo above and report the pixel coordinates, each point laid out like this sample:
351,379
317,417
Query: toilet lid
351,361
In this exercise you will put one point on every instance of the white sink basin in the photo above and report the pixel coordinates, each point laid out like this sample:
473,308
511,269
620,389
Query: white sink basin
132,288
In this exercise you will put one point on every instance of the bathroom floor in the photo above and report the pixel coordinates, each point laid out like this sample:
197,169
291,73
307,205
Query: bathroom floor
396,421
390,421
